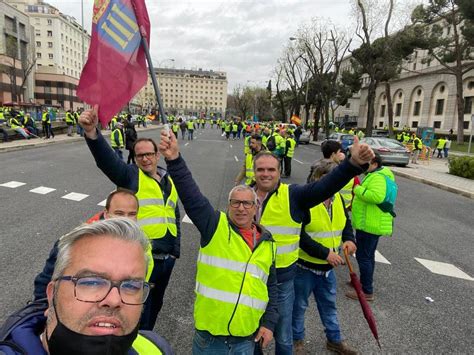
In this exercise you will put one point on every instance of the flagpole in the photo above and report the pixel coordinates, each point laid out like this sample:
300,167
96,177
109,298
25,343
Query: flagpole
143,35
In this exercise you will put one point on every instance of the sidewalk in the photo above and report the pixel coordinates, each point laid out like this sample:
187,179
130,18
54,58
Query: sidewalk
21,144
435,173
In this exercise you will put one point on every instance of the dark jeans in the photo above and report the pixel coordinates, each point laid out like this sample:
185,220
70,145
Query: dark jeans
47,130
5,134
118,151
190,134
183,131
283,331
287,164
366,245
206,343
131,156
160,277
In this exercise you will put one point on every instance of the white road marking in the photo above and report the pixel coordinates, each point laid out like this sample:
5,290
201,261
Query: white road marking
298,161
380,258
102,203
236,159
186,219
446,269
13,184
186,144
75,196
42,190
231,145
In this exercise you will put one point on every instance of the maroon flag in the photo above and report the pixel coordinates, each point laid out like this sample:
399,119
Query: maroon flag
116,67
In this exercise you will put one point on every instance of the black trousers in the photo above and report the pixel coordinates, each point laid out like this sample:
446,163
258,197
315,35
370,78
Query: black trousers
287,165
160,277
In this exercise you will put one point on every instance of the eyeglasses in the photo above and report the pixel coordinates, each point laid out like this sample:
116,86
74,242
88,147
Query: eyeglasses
94,289
145,155
236,204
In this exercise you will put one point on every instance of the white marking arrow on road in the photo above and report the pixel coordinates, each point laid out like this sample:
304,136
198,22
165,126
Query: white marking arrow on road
75,196
13,184
445,269
102,203
231,145
42,190
380,258
186,219
236,159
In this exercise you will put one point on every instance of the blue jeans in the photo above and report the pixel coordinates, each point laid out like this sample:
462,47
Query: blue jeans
80,130
206,343
324,291
190,134
283,333
160,276
366,245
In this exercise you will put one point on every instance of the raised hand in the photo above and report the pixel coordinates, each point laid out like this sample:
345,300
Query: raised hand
89,120
168,146
361,153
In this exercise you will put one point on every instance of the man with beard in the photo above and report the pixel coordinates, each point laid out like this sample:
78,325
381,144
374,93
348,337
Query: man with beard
94,300
246,171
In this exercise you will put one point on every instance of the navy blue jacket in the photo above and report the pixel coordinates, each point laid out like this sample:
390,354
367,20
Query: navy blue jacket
304,197
206,219
126,176
22,337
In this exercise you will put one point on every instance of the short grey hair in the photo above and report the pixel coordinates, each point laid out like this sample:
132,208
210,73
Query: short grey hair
243,188
321,167
119,228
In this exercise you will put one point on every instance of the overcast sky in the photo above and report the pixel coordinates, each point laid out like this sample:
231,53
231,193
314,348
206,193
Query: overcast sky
243,38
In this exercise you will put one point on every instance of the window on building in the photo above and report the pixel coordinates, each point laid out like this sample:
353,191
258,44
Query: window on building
348,105
38,55
466,125
417,108
398,109
468,104
38,44
50,33
37,33
50,44
50,22
414,124
382,111
396,124
50,55
380,123
437,124
439,107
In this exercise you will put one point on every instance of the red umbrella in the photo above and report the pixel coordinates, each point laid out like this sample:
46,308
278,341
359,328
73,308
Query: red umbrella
363,302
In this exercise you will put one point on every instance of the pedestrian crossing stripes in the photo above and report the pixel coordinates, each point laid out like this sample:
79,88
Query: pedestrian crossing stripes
186,219
445,269
75,196
13,184
42,190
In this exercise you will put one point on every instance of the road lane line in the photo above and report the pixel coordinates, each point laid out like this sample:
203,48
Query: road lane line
102,203
75,196
186,144
42,190
186,219
380,258
298,161
231,145
13,184
236,159
437,267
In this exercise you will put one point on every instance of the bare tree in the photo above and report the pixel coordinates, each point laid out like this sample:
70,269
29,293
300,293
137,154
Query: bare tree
295,75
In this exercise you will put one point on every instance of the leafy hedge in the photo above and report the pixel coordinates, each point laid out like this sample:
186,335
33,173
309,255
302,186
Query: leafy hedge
462,166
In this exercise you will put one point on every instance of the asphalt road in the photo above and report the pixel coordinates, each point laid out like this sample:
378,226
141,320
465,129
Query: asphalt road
431,224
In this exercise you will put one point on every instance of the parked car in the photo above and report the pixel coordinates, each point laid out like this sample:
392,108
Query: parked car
345,139
380,133
305,136
391,151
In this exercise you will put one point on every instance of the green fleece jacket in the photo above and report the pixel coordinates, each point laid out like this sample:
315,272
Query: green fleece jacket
366,215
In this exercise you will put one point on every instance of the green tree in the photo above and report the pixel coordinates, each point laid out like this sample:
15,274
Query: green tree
454,50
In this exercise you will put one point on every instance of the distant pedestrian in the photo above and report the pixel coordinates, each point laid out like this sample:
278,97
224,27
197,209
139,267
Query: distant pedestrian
447,146
116,139
190,127
130,138
182,126
417,146
440,146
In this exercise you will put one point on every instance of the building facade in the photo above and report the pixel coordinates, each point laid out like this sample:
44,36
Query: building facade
186,91
61,46
16,56
422,96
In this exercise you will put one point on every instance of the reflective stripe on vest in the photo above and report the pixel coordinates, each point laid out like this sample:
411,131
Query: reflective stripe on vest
346,193
231,283
249,173
277,219
325,231
143,345
120,138
154,217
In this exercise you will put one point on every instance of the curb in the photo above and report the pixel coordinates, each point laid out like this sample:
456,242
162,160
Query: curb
42,143
435,184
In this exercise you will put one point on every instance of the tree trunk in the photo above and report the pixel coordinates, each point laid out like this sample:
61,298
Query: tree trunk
388,94
460,104
317,116
306,109
326,120
370,107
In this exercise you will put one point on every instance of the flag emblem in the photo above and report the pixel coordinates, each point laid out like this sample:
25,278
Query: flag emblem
99,8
